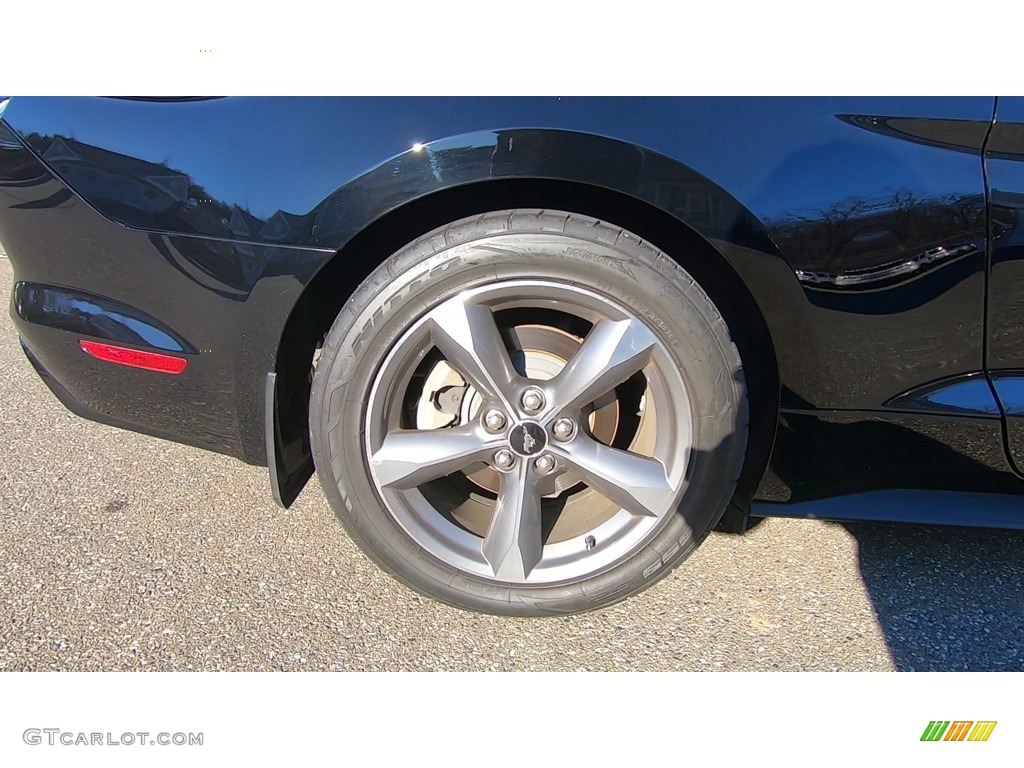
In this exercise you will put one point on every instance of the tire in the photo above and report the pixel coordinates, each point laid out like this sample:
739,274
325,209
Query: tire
415,469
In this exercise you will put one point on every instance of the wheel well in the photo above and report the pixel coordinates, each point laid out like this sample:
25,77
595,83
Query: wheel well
327,293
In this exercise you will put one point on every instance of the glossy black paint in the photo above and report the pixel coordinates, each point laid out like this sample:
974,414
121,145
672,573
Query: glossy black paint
778,185
1005,353
819,454
857,225
965,395
90,315
185,287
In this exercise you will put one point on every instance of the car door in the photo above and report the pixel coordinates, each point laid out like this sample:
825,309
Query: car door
1004,158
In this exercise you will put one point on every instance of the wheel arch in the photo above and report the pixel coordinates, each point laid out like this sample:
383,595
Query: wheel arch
684,214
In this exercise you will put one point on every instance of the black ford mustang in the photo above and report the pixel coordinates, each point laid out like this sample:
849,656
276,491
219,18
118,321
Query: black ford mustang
536,349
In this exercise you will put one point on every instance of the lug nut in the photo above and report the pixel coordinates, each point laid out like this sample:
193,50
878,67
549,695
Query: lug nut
494,420
533,400
563,429
544,464
504,459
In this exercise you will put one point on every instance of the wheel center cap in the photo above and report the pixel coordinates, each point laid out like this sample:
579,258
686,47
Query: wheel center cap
527,438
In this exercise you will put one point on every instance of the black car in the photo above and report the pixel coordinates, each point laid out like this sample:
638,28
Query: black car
537,349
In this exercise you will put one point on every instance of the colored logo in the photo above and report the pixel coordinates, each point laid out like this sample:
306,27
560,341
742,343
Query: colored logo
958,730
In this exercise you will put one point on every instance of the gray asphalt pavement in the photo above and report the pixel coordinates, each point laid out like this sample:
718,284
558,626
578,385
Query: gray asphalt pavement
119,551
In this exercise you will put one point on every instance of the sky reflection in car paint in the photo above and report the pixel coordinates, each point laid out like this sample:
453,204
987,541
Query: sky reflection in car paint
793,162
753,147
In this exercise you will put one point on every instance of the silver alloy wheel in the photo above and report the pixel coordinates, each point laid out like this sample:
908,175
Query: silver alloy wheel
643,480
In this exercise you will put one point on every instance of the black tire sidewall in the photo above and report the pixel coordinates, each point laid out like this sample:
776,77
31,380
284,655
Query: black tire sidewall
485,250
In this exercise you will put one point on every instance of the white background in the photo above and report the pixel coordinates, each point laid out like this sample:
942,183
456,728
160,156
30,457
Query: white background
516,720
537,47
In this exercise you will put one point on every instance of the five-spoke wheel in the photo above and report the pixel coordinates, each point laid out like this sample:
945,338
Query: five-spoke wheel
525,419
532,419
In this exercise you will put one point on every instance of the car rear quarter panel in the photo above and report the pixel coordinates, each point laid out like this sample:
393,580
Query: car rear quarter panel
232,205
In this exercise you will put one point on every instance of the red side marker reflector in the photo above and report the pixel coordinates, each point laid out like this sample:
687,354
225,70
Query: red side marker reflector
151,361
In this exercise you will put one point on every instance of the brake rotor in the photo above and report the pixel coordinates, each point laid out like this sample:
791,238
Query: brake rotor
545,351
542,351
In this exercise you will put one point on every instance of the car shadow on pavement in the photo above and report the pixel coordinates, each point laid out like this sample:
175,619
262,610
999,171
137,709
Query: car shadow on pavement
947,599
